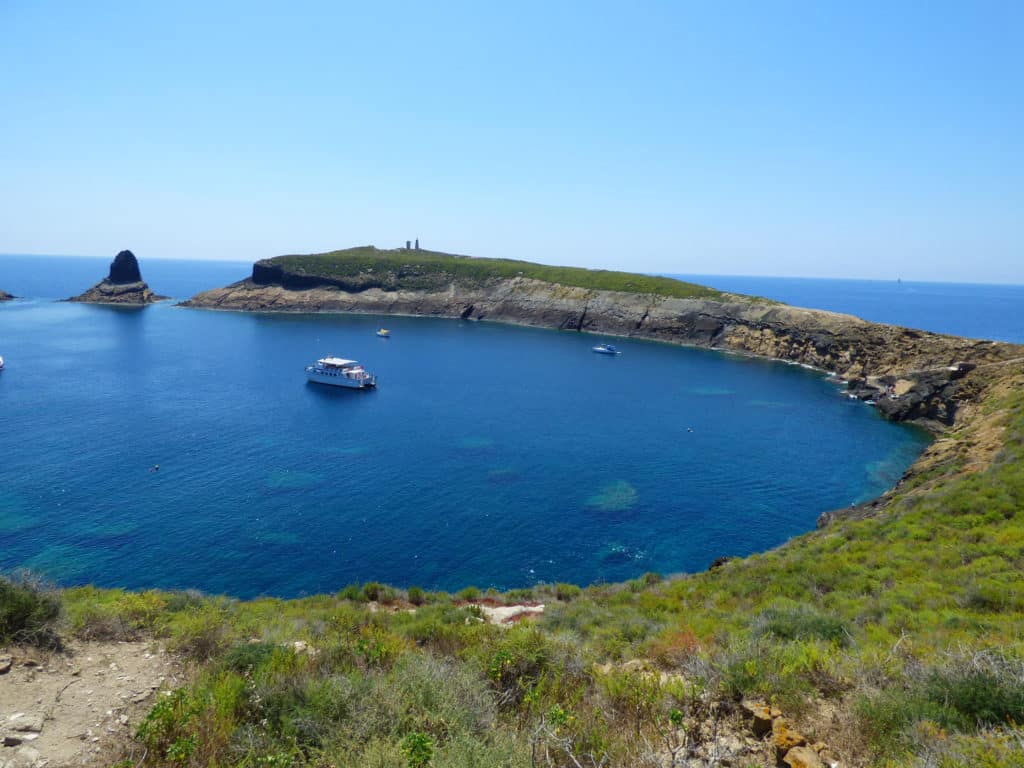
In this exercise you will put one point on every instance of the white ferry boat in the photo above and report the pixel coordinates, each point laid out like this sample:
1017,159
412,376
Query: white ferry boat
338,372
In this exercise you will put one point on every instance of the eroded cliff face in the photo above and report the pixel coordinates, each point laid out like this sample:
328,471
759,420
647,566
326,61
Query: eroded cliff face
874,357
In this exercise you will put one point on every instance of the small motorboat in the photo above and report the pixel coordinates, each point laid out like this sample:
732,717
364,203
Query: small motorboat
1,363
606,349
384,333
338,372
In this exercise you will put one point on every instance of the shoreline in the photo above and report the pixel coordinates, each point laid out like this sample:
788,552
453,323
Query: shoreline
867,377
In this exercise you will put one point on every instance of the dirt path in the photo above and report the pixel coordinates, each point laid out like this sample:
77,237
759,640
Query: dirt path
66,709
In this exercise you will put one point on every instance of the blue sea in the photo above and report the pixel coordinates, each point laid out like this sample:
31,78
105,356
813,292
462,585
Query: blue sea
490,455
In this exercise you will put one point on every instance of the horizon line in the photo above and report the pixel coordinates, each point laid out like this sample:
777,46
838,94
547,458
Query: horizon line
898,279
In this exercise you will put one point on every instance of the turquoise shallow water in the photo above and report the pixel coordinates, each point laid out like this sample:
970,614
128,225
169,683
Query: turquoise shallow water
490,455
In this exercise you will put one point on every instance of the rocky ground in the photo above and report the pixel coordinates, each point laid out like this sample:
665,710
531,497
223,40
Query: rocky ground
105,292
76,707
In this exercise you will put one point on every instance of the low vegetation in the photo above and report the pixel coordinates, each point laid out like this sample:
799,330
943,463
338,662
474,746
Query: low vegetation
425,270
28,612
898,639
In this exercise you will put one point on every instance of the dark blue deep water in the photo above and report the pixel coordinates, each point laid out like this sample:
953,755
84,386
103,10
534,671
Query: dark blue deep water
490,455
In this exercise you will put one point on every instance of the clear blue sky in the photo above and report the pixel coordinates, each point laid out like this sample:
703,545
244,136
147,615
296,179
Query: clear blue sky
791,138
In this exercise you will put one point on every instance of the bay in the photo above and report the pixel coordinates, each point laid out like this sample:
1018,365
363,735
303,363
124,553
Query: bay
490,455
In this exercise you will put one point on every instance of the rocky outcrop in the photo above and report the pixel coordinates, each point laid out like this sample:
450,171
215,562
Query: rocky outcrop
873,356
124,269
106,292
123,285
5,296
788,746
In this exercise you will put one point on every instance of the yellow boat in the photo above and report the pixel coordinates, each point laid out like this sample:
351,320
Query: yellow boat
383,333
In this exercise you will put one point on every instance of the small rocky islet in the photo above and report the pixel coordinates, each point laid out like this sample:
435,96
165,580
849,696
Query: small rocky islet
123,285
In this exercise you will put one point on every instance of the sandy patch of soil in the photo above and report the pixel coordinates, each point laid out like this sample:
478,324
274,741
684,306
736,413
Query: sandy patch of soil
70,708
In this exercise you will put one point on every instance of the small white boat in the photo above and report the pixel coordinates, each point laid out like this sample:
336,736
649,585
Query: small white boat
606,349
1,363
384,333
338,372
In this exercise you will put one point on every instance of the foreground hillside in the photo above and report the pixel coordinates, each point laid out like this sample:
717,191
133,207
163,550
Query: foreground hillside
890,640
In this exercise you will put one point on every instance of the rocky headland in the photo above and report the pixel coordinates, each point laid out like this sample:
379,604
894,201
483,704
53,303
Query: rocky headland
909,375
5,296
123,285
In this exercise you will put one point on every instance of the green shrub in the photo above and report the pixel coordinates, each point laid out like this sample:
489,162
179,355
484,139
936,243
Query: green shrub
634,696
248,656
523,660
142,610
163,729
418,749
801,624
969,698
378,648
416,595
468,594
183,600
379,593
567,592
994,748
200,634
28,612
964,695
351,592
442,628
371,591
181,750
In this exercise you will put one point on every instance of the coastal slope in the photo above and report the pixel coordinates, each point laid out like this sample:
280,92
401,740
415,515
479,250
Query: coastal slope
912,375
